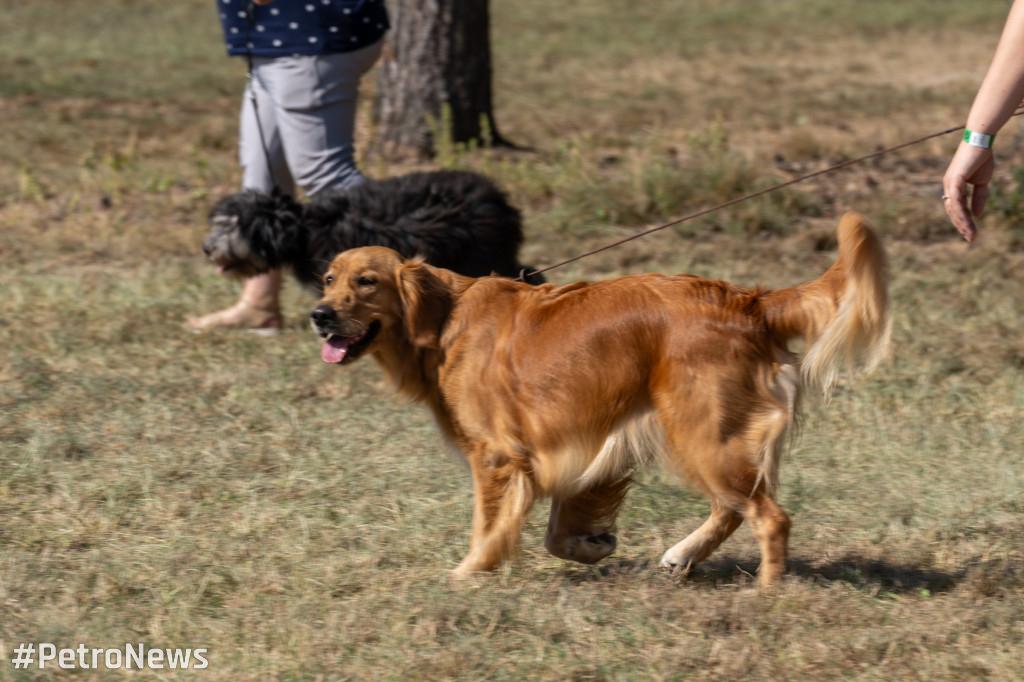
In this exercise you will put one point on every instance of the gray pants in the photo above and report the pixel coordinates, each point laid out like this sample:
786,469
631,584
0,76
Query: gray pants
307,109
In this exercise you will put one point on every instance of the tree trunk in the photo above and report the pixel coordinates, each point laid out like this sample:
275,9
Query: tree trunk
435,77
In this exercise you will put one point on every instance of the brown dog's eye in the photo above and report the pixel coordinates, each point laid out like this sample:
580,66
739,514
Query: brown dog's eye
329,280
365,281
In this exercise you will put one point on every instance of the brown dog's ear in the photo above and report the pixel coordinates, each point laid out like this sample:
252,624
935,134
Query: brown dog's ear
428,302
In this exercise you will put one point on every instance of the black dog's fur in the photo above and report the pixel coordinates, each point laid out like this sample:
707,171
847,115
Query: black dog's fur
456,220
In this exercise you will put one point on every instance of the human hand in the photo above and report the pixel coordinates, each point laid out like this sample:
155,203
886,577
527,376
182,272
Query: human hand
970,166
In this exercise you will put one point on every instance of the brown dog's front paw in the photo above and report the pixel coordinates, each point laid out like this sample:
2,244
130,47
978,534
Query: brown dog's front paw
460,573
474,563
460,579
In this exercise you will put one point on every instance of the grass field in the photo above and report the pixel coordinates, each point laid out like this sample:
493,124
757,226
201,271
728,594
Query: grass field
233,493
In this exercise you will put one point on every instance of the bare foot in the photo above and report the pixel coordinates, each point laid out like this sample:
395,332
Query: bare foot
243,316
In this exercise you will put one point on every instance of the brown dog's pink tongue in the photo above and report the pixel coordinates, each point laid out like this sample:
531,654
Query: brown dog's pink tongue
334,350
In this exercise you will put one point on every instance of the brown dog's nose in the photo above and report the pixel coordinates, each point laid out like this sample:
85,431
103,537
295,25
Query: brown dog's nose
323,314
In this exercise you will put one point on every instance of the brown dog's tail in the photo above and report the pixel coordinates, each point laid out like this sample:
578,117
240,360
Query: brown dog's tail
844,314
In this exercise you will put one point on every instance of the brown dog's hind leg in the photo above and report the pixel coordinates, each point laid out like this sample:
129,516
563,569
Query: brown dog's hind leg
729,476
771,528
503,494
699,544
769,523
579,528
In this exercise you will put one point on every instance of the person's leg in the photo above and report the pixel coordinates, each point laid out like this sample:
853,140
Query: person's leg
316,111
261,157
260,146
306,108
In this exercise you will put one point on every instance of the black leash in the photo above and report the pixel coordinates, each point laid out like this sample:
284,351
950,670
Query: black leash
523,274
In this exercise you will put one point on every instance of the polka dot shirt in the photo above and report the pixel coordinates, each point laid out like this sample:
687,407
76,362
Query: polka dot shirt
301,27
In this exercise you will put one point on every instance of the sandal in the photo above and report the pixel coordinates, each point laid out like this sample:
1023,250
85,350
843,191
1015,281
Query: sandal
242,316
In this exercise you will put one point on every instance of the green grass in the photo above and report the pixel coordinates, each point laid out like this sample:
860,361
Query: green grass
235,493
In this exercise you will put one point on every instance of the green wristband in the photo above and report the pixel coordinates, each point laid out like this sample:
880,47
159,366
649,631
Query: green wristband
978,139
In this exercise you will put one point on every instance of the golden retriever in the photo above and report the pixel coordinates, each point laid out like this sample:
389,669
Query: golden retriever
563,391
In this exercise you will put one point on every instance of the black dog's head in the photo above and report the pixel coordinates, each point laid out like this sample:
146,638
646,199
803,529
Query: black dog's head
252,233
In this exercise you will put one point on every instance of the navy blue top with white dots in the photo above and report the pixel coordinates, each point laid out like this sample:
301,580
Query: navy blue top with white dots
301,27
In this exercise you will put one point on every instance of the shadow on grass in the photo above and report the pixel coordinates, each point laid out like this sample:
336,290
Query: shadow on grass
876,576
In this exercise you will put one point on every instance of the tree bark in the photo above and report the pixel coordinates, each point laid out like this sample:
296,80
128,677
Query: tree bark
435,77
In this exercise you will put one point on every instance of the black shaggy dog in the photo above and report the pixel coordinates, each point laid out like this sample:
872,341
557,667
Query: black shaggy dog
456,220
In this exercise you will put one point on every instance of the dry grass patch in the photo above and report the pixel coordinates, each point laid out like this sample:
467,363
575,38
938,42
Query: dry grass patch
233,492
